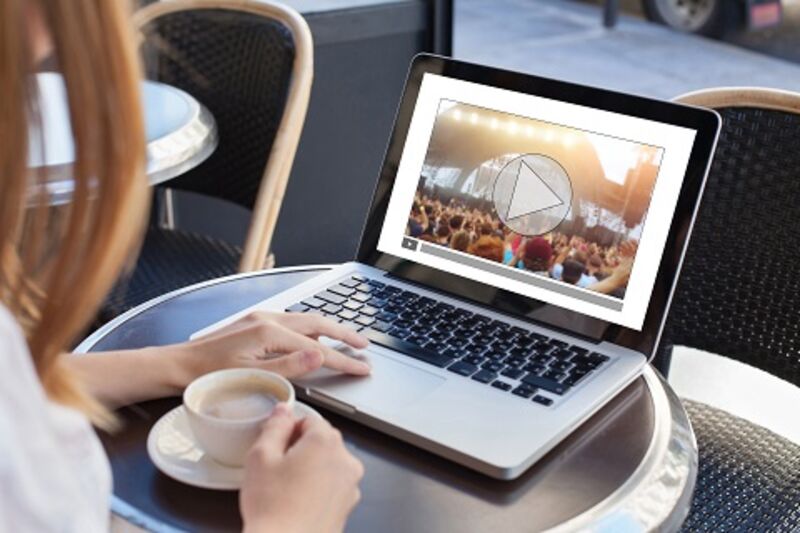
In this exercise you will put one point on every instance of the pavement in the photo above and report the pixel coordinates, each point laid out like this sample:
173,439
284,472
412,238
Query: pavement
565,39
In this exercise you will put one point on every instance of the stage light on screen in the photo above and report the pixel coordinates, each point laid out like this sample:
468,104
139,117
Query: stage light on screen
457,114
494,124
473,118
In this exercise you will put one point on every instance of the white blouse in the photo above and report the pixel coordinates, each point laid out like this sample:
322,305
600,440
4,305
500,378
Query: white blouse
54,474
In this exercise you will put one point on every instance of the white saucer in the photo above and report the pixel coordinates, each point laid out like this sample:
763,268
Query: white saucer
173,449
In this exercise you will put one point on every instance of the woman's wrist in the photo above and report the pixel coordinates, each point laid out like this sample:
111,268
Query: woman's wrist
175,365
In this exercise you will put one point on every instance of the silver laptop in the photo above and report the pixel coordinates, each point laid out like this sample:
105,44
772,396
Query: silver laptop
517,261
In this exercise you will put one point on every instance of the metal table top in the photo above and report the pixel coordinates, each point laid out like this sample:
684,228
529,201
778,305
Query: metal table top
181,134
631,467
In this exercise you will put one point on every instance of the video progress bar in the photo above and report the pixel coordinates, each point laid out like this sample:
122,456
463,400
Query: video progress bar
516,274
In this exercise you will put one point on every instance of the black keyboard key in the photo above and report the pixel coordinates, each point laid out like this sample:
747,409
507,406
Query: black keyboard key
484,376
462,368
577,350
376,283
546,384
404,324
562,354
503,346
575,377
493,366
457,342
502,385
399,333
515,362
314,303
341,290
424,301
417,339
524,343
541,359
331,298
348,315
555,375
600,358
537,336
560,344
513,373
436,346
453,353
496,356
482,341
331,308
412,350
476,360
439,335
297,308
534,368
561,366
524,391
542,400
519,352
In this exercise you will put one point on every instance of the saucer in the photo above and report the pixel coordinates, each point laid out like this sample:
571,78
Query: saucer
173,449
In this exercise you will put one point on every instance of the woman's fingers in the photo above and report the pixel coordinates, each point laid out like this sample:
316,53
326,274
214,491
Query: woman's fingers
317,326
285,339
294,364
276,433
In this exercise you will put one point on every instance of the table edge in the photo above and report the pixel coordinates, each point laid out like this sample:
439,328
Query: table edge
94,337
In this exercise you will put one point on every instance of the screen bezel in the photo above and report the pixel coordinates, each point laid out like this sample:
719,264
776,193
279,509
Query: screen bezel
705,122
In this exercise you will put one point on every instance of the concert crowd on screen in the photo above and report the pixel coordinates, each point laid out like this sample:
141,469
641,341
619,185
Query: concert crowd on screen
568,258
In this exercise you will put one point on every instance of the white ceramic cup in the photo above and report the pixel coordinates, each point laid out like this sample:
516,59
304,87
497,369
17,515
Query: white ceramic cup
227,441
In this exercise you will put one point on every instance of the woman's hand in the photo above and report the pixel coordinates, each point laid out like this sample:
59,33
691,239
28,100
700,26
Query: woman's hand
285,343
298,478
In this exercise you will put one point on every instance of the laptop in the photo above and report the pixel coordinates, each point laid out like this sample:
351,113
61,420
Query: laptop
517,261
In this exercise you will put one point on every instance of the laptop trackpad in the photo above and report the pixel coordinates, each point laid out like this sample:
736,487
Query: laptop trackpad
392,384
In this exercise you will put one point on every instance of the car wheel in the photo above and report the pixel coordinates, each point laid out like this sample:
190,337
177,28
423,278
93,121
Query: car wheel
712,18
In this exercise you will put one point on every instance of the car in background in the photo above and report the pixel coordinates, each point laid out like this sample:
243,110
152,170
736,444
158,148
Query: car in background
714,18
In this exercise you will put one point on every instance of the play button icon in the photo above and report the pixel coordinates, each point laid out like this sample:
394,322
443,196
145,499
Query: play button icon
532,194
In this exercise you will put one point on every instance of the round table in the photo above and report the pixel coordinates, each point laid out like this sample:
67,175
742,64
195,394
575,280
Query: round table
181,134
631,467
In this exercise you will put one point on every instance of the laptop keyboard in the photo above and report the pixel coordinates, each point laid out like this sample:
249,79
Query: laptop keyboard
495,353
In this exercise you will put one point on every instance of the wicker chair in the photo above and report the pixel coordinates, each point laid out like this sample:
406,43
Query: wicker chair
739,295
250,64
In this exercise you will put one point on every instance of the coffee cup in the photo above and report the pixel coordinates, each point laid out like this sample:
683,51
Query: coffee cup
227,408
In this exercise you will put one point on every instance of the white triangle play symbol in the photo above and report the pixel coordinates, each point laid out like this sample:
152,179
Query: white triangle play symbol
531,194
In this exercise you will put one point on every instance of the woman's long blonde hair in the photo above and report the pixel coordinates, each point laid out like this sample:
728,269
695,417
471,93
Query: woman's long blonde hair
57,264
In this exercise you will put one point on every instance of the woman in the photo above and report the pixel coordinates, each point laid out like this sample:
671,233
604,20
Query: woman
55,271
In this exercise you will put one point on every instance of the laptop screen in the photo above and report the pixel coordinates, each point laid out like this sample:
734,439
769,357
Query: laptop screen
555,201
